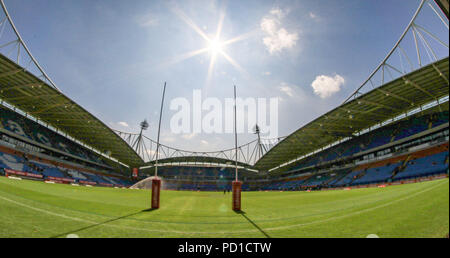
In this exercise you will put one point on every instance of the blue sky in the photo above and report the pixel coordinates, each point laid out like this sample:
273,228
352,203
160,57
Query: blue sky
113,57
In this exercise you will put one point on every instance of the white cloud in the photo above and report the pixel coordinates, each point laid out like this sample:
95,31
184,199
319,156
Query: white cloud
267,73
277,12
204,142
325,86
276,38
124,124
312,15
286,89
270,25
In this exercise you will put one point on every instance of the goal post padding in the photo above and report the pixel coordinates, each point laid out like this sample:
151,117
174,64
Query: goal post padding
237,187
156,189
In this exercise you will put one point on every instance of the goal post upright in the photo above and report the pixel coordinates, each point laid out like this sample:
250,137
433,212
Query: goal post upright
156,181
236,184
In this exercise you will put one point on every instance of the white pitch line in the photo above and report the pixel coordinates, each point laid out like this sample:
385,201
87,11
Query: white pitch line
357,212
223,232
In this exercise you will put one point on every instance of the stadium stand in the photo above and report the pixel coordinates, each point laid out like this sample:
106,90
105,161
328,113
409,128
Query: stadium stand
379,137
376,174
24,128
386,155
28,147
13,162
353,162
426,166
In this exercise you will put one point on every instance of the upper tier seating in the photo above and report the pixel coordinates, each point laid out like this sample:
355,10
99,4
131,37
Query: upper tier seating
379,137
31,130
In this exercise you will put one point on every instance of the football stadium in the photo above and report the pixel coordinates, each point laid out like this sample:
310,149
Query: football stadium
375,165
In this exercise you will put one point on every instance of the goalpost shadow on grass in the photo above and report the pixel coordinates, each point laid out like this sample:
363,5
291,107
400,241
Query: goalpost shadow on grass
253,223
102,223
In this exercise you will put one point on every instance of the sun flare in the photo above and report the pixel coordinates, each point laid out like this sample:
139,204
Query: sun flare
215,46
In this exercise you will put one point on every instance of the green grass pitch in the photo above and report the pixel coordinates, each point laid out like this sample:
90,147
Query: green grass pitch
36,209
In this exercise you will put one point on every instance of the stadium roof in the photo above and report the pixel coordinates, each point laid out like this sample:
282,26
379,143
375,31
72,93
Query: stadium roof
198,159
408,92
25,91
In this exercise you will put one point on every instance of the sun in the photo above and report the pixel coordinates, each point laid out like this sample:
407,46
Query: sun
215,46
